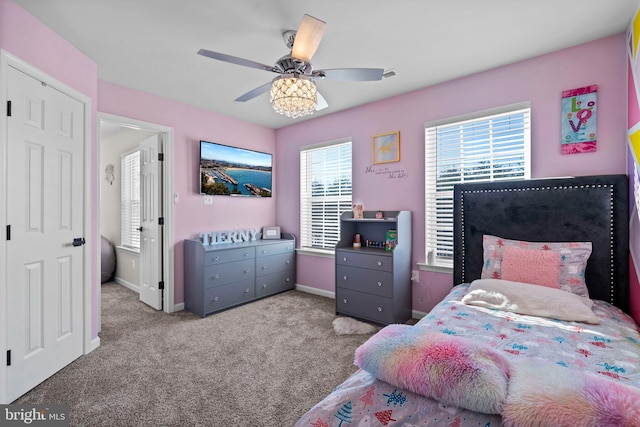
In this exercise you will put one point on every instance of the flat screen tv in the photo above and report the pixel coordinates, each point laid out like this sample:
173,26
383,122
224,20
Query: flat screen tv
233,171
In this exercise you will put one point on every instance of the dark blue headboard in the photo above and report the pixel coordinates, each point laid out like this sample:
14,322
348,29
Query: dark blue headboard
585,209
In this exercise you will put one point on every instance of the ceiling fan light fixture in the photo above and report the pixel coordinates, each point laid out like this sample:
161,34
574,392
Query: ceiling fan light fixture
293,95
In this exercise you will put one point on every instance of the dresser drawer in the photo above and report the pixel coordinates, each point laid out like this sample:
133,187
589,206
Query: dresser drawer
274,264
363,280
274,249
367,306
229,295
274,283
223,274
377,261
222,256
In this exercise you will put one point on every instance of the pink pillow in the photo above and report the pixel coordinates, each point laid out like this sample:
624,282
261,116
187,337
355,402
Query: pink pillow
573,260
535,266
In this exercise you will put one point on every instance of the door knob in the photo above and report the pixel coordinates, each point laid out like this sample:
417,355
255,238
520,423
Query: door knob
139,228
79,241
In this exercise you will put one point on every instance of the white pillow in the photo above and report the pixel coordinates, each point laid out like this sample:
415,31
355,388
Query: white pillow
525,298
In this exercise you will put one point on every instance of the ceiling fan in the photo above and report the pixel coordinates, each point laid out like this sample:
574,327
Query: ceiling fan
293,91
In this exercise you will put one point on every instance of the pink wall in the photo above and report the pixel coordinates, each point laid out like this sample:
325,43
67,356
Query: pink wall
539,80
190,125
27,39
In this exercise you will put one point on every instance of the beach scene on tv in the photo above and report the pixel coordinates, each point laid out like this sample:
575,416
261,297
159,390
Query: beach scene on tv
233,171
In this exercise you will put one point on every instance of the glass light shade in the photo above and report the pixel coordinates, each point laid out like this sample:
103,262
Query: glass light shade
293,95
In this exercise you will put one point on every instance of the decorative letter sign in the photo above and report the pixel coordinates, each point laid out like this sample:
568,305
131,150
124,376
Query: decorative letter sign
231,236
579,107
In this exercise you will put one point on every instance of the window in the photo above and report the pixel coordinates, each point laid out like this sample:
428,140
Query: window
325,193
130,200
488,146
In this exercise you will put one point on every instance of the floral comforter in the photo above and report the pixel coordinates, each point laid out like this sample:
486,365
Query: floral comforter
604,358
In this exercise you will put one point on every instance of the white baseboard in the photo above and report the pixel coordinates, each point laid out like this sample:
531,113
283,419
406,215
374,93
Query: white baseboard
418,314
178,307
127,284
315,291
95,343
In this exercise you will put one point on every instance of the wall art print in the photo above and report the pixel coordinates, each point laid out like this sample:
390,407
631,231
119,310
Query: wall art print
579,111
386,147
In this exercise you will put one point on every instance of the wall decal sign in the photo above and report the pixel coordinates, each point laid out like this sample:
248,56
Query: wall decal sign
579,108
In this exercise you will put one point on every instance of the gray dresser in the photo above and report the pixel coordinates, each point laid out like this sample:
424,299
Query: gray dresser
223,275
373,283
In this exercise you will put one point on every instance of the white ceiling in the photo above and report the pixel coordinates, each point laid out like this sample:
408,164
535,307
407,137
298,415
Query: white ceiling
151,45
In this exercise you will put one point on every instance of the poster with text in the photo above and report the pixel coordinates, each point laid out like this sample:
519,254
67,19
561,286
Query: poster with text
579,111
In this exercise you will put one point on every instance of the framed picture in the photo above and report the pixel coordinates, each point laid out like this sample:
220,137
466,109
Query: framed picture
386,147
270,233
579,111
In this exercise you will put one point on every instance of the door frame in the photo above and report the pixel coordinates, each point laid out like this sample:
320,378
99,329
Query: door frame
90,275
166,134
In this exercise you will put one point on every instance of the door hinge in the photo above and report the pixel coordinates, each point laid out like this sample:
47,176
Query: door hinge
161,157
8,232
161,285
161,220
8,108
8,357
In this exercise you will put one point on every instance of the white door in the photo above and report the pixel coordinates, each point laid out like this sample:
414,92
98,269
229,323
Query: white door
45,188
150,227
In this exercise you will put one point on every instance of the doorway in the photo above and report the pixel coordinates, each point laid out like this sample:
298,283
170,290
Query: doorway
119,136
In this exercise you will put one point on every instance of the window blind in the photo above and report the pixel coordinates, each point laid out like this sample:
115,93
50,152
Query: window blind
489,147
130,200
325,193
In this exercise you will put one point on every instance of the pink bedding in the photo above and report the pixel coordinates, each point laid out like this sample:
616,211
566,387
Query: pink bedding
558,372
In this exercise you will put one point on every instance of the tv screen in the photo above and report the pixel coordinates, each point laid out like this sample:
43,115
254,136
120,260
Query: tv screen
233,171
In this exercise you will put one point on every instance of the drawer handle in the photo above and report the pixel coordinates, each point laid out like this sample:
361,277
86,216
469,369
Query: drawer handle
264,252
344,277
216,258
379,262
288,262
264,267
264,285
246,270
216,276
246,254
379,283
246,291
380,309
344,300
344,258
288,279
215,299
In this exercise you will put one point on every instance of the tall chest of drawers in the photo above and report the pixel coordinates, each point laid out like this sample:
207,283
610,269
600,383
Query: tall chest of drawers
373,283
228,274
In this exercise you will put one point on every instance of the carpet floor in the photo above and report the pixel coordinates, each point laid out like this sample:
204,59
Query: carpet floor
261,364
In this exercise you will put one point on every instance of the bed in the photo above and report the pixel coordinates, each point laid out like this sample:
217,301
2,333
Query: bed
498,351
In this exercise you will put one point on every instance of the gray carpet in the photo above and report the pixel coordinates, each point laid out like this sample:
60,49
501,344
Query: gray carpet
261,364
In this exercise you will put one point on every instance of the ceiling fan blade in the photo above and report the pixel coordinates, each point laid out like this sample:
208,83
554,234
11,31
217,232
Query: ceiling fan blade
255,92
322,103
307,38
351,74
234,60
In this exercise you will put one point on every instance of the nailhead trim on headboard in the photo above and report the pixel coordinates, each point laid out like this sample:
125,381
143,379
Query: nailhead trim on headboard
560,187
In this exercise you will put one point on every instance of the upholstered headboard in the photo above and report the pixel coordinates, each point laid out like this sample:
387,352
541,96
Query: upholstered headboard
581,209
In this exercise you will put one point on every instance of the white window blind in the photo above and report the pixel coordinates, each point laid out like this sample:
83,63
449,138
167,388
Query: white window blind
325,193
130,200
491,146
